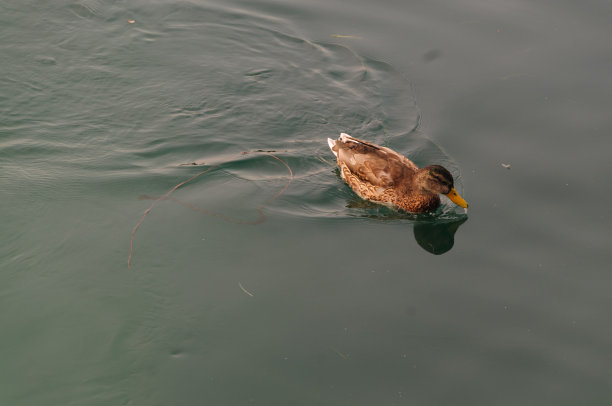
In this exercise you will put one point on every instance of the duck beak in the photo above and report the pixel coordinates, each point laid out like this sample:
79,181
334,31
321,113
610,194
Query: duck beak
455,198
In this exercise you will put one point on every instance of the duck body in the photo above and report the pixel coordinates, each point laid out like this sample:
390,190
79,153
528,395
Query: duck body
384,176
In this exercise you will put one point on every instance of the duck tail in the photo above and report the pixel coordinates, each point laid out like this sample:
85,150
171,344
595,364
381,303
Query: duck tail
332,146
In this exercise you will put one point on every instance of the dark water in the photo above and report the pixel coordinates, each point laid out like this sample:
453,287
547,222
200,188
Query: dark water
326,300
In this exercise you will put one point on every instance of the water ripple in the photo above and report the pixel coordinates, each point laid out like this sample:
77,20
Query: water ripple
274,91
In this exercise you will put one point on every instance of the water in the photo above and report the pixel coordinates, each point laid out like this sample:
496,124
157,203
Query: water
327,300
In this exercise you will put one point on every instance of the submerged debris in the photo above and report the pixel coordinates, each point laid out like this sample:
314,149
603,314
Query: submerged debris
166,196
432,55
341,355
346,36
244,290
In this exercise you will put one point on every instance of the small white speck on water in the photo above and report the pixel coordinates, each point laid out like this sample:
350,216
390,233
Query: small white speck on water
244,289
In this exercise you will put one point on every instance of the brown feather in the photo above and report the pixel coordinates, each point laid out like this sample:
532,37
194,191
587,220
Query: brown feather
382,175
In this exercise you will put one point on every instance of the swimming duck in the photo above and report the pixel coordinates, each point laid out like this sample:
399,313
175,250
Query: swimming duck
384,176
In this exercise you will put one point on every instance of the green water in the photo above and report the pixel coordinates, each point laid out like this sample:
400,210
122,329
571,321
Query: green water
327,301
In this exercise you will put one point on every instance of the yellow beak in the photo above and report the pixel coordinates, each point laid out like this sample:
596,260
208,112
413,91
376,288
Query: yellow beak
455,198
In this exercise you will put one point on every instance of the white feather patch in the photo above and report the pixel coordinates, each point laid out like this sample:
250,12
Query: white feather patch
332,144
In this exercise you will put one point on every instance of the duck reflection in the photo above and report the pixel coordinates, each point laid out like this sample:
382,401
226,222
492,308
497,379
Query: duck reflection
434,235
437,238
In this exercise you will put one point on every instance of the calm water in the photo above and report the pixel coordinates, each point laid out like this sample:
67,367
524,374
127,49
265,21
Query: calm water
327,301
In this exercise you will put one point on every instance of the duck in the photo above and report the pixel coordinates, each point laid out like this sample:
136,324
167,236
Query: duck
384,176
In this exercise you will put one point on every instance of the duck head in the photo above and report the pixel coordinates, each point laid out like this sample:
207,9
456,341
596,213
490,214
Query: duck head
437,179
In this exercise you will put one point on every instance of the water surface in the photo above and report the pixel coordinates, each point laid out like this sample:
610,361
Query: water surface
326,300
